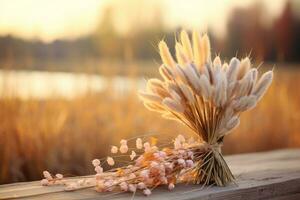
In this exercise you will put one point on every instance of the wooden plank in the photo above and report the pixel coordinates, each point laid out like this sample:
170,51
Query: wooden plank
267,175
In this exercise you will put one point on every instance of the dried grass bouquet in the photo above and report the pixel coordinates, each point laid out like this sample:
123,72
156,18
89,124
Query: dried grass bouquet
208,97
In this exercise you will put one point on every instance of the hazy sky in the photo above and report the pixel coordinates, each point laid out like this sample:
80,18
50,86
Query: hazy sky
52,19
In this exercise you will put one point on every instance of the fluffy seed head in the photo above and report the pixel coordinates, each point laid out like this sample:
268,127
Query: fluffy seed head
200,92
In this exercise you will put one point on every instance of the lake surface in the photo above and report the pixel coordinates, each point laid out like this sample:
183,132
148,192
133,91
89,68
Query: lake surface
41,84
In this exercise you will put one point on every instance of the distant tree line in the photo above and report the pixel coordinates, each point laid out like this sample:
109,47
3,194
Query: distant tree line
246,35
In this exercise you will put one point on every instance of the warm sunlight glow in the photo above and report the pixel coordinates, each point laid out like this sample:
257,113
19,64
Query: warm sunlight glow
49,20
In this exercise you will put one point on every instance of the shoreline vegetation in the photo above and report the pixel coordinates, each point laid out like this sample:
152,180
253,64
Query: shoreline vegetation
33,131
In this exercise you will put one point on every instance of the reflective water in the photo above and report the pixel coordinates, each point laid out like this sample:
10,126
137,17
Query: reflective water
40,84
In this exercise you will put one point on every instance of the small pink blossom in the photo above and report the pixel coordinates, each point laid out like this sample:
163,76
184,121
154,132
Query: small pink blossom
171,186
110,161
96,162
133,155
59,176
189,163
139,143
123,148
114,149
147,192
181,161
124,186
47,175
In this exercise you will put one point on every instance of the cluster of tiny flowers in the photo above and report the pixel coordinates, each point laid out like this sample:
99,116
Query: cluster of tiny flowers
153,167
52,180
149,168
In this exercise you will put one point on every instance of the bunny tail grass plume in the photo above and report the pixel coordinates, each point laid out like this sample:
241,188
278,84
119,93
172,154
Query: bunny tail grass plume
207,96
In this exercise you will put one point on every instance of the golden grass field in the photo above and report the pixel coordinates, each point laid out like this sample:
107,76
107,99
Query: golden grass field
65,135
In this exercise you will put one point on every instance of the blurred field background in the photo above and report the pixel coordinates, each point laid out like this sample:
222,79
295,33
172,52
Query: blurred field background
70,71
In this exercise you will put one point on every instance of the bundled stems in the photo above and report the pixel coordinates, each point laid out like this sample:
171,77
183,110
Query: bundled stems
206,96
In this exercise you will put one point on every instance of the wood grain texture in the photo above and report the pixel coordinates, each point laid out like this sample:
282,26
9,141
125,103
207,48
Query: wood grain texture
267,175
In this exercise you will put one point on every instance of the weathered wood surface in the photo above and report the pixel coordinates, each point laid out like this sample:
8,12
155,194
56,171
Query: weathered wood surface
267,175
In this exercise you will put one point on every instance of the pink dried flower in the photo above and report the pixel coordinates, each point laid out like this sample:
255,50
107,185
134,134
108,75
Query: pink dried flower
132,187
123,148
189,163
139,143
99,169
44,182
181,161
47,175
171,186
124,186
133,155
114,149
59,176
96,162
110,161
147,192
